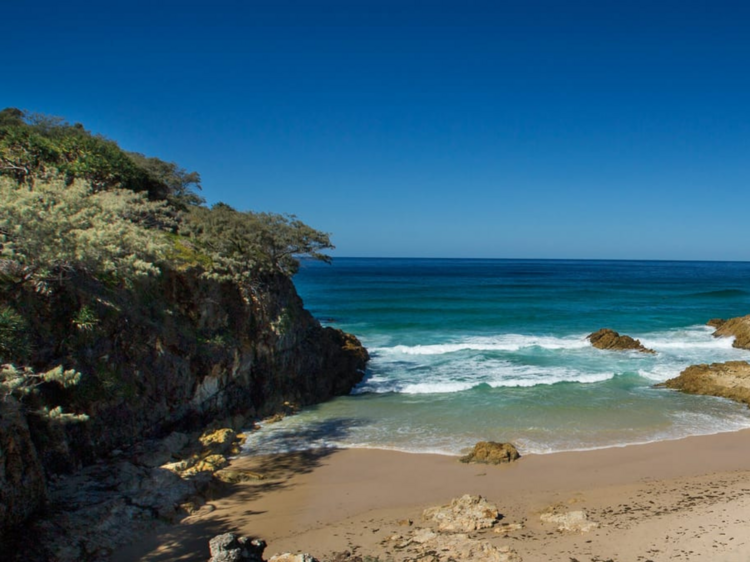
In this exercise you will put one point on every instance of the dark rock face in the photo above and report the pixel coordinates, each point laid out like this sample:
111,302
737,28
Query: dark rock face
176,354
490,452
609,339
739,328
23,489
726,380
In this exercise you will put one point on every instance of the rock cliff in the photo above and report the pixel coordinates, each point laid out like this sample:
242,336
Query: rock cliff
176,353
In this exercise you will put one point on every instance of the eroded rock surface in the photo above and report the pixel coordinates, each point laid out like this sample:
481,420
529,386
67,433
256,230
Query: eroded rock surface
739,328
609,339
231,548
727,380
491,452
569,521
429,546
464,514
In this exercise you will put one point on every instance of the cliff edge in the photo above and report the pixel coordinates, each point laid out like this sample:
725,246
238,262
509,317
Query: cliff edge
175,353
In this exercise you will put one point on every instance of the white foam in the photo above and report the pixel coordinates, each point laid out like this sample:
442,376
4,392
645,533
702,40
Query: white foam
508,342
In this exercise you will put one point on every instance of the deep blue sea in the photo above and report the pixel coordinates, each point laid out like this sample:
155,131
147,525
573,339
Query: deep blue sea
468,350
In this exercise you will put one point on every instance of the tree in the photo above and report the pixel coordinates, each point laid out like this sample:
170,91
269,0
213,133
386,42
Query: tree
242,244
179,182
36,145
53,228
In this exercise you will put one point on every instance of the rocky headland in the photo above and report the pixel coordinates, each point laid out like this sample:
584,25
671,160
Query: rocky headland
609,339
165,362
726,380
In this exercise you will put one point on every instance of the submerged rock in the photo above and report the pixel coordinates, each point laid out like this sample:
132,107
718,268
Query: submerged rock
464,514
726,380
491,452
739,328
609,339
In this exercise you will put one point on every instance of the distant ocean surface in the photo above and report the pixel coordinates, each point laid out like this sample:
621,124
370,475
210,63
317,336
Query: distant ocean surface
470,350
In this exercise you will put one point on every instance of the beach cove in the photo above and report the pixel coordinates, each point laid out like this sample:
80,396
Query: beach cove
686,499
355,475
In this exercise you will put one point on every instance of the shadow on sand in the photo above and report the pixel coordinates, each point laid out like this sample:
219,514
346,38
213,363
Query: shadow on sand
187,541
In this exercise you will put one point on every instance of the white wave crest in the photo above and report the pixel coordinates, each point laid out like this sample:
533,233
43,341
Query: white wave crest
509,342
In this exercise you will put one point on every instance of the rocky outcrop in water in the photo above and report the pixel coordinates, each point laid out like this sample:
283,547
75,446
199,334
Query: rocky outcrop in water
609,339
491,452
739,328
726,380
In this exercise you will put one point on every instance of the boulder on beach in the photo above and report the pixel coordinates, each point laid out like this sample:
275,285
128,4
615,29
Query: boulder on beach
491,452
231,548
739,328
726,380
465,514
609,339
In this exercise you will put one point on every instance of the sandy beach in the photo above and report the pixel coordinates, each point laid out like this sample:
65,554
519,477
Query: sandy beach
676,500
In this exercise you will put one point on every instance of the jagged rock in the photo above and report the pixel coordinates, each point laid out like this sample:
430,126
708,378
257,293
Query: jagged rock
491,452
219,441
231,548
569,521
467,513
287,557
727,380
609,339
739,328
716,322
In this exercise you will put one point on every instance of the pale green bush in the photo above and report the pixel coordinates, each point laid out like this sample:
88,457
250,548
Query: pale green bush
52,228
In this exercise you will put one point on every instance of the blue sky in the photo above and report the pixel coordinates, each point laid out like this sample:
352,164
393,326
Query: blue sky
523,129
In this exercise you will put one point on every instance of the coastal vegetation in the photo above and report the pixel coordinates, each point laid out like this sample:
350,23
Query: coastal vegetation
76,204
130,309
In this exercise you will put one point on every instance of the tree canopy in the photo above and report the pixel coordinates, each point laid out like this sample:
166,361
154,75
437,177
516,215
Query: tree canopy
240,244
74,200
35,145
54,228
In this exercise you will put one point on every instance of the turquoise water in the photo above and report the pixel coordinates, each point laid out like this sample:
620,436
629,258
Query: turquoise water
468,350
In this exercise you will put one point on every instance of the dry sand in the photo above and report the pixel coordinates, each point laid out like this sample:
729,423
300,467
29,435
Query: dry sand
674,500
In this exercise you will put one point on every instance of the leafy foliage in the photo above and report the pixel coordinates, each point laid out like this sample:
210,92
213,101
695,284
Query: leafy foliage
14,341
24,382
242,244
52,229
38,146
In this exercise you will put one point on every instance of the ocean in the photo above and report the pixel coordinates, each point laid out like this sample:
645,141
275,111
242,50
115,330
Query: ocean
467,350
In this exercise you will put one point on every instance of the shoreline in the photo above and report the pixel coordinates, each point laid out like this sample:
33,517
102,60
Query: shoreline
331,500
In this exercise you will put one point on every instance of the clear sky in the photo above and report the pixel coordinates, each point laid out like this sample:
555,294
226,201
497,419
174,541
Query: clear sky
509,129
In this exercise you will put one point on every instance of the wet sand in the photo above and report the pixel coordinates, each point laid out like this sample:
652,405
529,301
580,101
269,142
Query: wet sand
675,500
